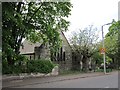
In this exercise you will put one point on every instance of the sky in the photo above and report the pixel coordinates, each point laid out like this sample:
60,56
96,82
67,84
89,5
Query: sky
92,12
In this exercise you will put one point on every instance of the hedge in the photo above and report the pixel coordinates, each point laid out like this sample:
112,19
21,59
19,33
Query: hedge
30,66
41,66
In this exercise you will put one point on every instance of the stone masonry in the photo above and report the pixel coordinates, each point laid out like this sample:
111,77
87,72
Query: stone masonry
37,51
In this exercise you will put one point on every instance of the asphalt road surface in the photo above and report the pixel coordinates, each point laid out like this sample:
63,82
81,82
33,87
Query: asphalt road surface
103,81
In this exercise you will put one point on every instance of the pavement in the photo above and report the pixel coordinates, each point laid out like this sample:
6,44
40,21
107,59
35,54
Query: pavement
43,80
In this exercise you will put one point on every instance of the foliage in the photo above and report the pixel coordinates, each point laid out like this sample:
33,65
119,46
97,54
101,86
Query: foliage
108,60
41,66
111,42
36,21
85,39
33,66
97,58
84,44
18,67
21,60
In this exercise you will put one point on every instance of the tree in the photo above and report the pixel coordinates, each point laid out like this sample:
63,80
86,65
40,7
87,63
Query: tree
112,48
84,44
36,21
97,57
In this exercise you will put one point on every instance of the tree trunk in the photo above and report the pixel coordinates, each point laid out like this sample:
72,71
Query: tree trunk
10,61
85,64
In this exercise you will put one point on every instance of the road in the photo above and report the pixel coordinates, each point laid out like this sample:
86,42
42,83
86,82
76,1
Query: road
102,81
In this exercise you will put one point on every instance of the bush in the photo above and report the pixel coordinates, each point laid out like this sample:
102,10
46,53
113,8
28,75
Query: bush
14,69
18,67
22,65
41,66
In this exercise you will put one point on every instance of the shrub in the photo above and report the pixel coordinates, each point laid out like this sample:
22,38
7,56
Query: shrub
8,69
18,67
22,65
41,66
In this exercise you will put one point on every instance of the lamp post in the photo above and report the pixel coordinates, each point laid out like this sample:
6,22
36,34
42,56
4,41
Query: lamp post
104,46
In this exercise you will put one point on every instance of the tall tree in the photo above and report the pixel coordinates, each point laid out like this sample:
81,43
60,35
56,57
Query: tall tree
112,48
84,44
36,21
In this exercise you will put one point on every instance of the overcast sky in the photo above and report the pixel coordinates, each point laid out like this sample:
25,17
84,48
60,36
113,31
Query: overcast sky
92,12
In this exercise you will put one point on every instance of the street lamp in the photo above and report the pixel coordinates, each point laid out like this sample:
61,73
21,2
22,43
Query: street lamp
104,45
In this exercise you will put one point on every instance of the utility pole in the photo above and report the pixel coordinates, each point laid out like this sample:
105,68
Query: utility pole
104,47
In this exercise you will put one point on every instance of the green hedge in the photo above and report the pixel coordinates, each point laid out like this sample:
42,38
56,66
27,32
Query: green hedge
13,70
30,66
41,66
18,67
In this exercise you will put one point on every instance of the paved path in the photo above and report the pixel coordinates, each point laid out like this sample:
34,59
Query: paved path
50,82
